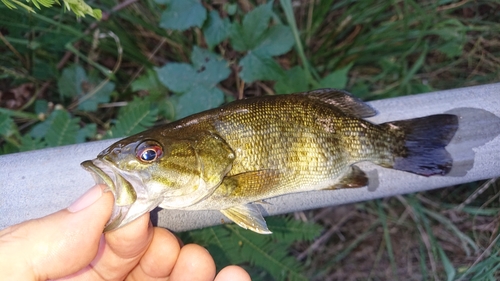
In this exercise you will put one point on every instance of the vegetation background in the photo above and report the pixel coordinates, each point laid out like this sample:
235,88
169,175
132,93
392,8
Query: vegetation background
67,79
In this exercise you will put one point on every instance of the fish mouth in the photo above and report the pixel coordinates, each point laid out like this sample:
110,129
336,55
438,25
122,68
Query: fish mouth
122,189
98,174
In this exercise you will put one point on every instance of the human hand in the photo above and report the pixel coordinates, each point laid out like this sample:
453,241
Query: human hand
70,245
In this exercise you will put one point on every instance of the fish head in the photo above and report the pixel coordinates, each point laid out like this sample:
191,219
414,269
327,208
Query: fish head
145,171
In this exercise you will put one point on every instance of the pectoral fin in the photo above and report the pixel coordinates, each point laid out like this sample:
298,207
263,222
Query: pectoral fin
249,184
247,216
354,178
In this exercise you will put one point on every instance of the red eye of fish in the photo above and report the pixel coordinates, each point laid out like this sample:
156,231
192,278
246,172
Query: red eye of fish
149,154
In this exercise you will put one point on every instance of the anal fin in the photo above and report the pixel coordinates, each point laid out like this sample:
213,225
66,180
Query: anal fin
249,217
352,179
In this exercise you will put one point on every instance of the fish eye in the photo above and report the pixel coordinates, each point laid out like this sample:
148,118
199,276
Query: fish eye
148,152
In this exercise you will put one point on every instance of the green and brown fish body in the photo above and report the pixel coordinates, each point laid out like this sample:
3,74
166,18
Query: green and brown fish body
249,150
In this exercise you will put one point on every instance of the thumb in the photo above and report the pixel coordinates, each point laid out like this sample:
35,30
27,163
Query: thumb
58,244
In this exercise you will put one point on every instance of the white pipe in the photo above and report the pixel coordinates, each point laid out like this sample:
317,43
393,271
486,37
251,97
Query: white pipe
36,183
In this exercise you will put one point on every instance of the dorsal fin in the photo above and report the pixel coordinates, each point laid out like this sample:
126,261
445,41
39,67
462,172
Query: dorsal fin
343,101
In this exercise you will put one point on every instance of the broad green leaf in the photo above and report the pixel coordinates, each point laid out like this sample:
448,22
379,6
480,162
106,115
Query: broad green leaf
246,36
88,131
7,126
178,77
277,40
337,79
255,67
294,80
70,82
61,129
210,68
200,57
195,82
147,82
230,8
255,23
183,14
101,96
216,29
198,99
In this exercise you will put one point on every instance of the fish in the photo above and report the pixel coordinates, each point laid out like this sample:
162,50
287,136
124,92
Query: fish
234,157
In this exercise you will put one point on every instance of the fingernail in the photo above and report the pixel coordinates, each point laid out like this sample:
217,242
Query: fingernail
87,199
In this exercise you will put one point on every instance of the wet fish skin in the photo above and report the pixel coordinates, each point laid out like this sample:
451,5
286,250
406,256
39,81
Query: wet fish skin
253,149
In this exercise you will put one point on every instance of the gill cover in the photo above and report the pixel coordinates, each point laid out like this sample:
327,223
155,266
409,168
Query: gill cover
193,169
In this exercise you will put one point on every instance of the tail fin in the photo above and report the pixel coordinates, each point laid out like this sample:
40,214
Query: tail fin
425,138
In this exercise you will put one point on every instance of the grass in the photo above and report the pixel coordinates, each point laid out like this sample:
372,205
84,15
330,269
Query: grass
391,48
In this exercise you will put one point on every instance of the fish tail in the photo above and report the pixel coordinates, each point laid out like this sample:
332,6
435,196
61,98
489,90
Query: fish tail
422,141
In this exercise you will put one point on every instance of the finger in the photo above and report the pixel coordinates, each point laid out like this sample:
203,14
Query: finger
120,251
231,273
160,258
194,263
58,244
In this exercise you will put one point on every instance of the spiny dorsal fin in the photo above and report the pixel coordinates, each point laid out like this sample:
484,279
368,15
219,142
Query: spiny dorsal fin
343,101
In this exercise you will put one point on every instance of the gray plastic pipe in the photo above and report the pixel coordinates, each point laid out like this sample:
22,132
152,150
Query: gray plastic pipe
37,183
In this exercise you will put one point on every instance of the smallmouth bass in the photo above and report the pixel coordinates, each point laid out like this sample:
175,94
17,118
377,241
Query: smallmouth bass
233,157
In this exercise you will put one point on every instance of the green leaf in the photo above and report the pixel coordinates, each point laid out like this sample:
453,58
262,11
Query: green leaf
88,131
41,106
277,40
256,67
230,8
216,29
246,36
133,118
183,14
8,147
29,143
7,125
70,82
337,79
61,129
198,99
230,244
101,96
195,82
178,77
44,70
80,8
452,49
148,82
294,80
211,68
